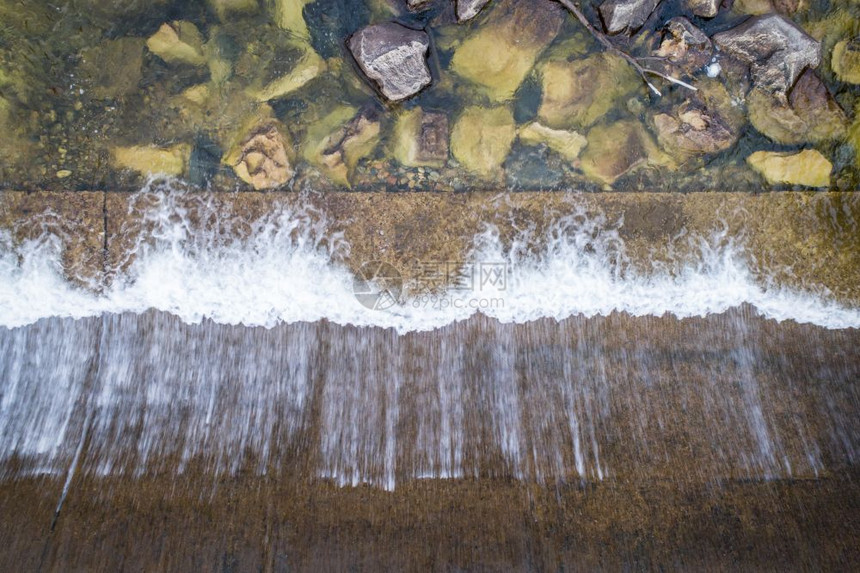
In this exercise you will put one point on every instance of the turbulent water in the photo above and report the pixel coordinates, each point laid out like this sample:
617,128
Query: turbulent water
248,349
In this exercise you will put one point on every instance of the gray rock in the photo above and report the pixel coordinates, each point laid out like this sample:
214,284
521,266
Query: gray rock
394,57
776,50
703,8
418,5
468,9
620,15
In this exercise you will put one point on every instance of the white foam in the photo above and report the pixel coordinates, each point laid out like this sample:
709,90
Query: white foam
285,270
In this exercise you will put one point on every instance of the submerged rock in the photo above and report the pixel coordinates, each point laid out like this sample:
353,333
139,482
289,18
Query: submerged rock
309,67
113,68
684,46
706,122
421,138
807,114
703,8
568,144
261,157
149,160
178,42
468,9
394,57
576,94
621,15
225,8
808,168
288,16
481,140
500,54
846,60
775,48
619,148
338,141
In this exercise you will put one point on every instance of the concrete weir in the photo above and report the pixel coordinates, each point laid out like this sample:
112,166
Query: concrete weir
191,381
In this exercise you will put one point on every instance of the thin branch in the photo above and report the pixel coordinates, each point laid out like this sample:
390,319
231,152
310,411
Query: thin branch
610,47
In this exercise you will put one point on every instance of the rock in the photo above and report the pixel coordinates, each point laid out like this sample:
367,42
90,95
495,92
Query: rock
178,42
309,67
225,8
621,15
854,136
807,168
775,48
113,68
499,55
418,5
576,94
568,144
759,7
684,46
468,9
808,114
619,148
421,138
261,157
149,160
846,60
482,138
288,16
337,142
703,8
394,57
705,122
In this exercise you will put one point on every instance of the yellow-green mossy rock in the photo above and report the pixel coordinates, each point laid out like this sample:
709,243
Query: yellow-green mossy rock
854,135
500,54
178,42
577,94
568,144
619,148
113,68
482,138
309,67
262,155
288,15
150,160
808,114
337,142
421,138
846,61
226,8
808,168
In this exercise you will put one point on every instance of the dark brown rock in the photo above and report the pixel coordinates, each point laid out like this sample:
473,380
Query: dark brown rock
775,48
394,57
621,15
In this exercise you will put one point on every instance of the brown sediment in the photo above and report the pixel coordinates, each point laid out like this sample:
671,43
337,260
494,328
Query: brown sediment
802,240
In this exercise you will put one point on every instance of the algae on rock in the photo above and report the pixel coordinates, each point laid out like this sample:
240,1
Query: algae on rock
577,94
113,68
178,42
846,61
502,52
481,140
150,160
808,168
568,144
337,142
421,138
619,148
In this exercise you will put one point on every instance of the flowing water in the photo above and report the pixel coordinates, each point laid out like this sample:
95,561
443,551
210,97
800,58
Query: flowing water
232,363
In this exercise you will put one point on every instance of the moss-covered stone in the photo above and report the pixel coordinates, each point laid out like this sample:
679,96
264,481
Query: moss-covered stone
226,8
619,148
421,138
568,144
808,114
337,142
287,14
482,138
178,42
846,60
808,168
309,67
501,53
149,160
577,94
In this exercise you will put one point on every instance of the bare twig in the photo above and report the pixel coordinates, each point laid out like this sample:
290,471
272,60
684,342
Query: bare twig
610,47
